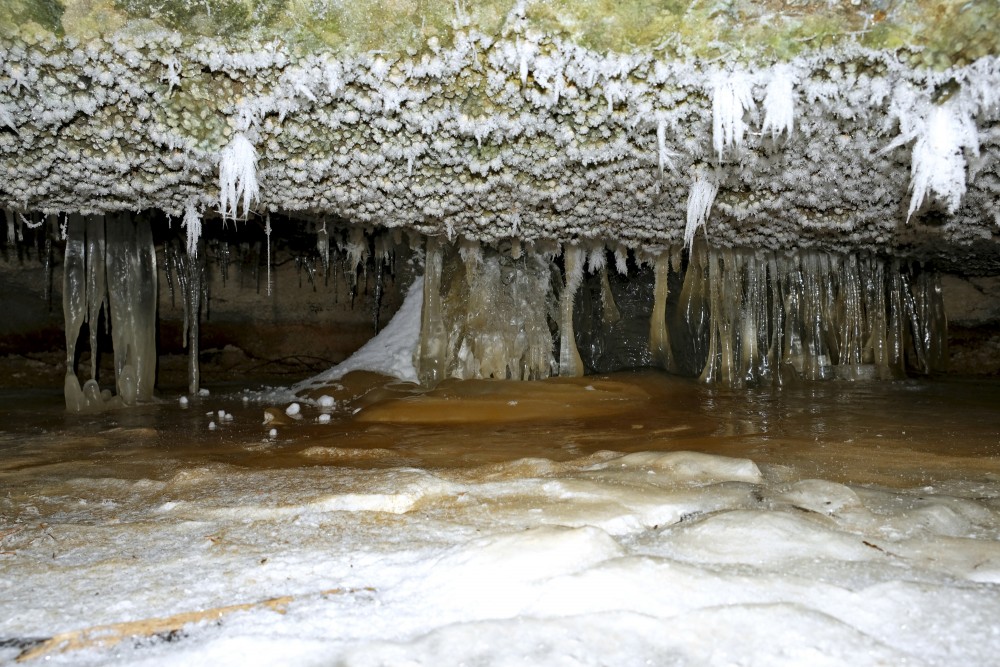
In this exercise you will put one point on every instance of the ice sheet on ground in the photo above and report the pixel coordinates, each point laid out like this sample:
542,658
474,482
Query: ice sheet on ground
673,556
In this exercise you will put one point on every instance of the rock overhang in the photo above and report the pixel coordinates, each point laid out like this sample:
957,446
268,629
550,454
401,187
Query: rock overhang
813,125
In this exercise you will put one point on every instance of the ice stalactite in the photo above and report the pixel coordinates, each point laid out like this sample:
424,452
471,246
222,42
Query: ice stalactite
817,316
731,99
433,339
659,334
699,205
74,305
10,226
192,228
323,248
238,177
779,102
193,286
570,363
741,317
110,265
938,162
97,283
132,277
609,309
356,249
497,307
267,234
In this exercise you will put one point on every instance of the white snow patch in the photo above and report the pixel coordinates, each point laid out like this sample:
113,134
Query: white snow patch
390,352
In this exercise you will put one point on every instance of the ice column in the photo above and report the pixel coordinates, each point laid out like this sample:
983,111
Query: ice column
433,338
498,315
110,263
659,335
97,286
570,363
131,268
74,305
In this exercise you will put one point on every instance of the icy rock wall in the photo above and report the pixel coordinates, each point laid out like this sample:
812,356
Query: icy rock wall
732,317
511,132
487,313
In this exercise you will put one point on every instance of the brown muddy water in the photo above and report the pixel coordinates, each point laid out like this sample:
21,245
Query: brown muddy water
887,433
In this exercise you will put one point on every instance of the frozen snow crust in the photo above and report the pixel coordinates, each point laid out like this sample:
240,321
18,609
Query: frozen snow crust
668,557
519,136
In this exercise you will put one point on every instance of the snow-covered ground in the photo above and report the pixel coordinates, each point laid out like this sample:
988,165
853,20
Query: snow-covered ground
605,521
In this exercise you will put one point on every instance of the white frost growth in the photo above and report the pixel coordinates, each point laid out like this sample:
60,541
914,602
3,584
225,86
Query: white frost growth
938,163
731,98
192,223
238,177
663,155
6,120
779,102
621,259
700,201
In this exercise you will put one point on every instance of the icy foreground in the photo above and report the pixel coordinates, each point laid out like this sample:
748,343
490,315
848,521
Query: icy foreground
389,544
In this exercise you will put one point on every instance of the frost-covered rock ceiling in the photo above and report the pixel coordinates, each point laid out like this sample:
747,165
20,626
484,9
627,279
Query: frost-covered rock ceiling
843,125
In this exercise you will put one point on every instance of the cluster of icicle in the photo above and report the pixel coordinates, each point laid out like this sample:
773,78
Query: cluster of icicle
757,316
110,266
742,316
485,313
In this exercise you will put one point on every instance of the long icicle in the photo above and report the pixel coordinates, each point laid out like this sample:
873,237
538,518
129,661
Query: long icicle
659,335
570,363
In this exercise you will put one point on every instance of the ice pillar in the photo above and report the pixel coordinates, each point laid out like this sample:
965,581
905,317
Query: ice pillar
74,305
570,363
433,337
659,335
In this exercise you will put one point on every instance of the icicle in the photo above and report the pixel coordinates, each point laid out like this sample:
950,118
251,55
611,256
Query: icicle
609,309
433,338
621,259
710,373
74,305
570,363
497,317
191,280
700,200
50,233
779,102
659,335
144,276
935,323
663,155
192,224
267,233
938,162
238,177
323,248
377,301
731,98
97,290
356,248
131,269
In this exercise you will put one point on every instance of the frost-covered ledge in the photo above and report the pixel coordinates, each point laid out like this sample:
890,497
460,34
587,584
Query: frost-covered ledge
517,120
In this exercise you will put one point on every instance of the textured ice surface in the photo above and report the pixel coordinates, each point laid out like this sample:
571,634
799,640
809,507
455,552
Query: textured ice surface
675,557
520,136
